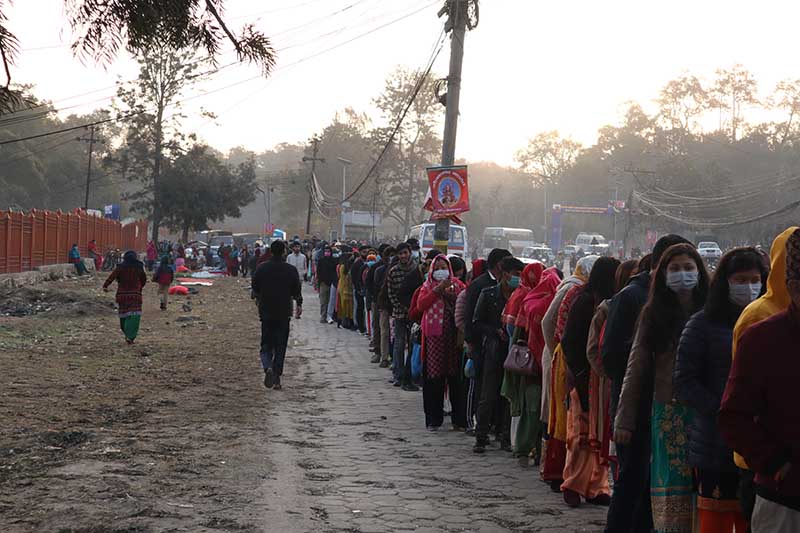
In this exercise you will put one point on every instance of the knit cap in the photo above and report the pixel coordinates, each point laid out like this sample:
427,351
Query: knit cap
793,256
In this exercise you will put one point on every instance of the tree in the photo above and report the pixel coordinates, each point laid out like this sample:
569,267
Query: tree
198,187
416,145
547,157
102,27
786,97
682,101
733,88
150,134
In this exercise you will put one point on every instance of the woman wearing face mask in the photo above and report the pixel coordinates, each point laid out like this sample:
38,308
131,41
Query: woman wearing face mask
701,372
440,354
678,290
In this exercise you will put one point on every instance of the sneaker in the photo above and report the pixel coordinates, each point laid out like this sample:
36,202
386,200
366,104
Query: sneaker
384,364
277,385
470,432
433,428
330,321
480,447
322,321
572,498
269,378
375,359
397,383
410,387
600,499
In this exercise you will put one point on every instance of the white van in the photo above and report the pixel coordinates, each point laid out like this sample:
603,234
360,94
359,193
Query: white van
592,243
456,246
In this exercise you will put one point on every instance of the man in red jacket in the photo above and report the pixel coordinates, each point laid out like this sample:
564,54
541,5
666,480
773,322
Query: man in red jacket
759,416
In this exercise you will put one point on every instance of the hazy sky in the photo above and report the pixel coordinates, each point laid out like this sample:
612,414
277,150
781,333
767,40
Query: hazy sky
530,66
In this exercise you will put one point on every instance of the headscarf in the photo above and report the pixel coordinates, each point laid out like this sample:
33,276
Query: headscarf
478,267
433,318
793,257
130,258
535,306
528,280
584,267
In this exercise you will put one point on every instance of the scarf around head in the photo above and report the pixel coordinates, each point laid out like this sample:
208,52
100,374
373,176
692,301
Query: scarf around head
793,256
433,318
584,267
535,306
528,280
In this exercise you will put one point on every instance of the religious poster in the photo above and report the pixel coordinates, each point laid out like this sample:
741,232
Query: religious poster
449,190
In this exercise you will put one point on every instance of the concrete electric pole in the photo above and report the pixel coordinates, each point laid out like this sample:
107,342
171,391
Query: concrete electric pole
345,204
91,140
461,14
313,159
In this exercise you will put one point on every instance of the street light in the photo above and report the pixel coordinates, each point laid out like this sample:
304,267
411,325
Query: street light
345,163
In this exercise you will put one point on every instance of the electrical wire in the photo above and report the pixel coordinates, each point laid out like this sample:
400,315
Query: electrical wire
413,96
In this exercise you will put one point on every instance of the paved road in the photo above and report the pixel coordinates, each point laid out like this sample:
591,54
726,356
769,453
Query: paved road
351,453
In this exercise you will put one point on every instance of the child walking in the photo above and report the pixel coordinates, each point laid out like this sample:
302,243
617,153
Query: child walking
164,277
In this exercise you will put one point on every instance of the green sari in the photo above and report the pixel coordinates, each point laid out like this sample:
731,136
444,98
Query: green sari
671,482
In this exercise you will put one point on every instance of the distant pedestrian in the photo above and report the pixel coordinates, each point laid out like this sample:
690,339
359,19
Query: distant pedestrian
326,278
275,285
75,259
130,278
152,255
298,260
164,277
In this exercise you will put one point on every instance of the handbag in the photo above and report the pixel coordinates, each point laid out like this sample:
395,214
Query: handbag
520,360
416,361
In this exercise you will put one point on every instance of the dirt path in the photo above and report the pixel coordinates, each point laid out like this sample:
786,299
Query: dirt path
170,434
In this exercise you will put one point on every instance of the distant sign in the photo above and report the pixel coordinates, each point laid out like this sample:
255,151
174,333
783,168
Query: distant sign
449,190
111,211
362,218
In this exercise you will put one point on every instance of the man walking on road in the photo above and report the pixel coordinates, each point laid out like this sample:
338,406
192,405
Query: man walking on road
326,278
275,285
298,260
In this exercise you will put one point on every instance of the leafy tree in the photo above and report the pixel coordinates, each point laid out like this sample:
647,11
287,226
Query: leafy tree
733,89
151,134
198,187
416,145
103,27
681,102
547,157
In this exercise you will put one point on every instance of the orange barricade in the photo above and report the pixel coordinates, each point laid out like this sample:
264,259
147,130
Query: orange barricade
30,240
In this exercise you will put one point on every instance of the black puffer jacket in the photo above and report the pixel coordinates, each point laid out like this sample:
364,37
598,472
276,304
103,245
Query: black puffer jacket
701,372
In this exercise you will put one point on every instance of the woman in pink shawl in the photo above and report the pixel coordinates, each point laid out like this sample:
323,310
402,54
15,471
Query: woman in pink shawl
523,392
440,353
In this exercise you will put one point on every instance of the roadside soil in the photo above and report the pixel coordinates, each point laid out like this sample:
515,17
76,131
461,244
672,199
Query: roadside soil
96,436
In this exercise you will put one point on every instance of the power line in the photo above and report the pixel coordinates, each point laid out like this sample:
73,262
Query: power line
414,93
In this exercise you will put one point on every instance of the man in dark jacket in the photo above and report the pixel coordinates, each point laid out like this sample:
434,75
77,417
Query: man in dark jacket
758,417
487,321
402,328
275,284
326,278
384,306
630,509
356,272
473,338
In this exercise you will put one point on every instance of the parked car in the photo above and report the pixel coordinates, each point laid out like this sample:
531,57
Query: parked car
709,250
570,250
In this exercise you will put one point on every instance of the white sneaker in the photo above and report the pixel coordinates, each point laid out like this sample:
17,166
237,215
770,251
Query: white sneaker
330,321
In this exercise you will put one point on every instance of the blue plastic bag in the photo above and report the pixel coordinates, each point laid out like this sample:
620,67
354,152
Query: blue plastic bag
416,361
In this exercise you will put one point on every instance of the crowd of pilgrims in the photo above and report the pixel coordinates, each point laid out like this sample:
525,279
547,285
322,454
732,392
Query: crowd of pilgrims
643,376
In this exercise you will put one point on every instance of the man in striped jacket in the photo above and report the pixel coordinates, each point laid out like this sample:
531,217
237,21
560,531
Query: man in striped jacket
394,282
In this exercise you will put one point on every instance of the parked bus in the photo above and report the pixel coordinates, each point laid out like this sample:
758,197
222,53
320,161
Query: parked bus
456,246
515,240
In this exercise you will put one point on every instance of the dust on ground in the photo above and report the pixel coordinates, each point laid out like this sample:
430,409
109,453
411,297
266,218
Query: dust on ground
98,436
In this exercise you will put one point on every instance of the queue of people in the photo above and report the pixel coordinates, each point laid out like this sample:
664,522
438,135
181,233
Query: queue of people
629,384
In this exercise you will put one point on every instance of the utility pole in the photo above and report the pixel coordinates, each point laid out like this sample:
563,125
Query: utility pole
314,159
91,140
458,19
345,163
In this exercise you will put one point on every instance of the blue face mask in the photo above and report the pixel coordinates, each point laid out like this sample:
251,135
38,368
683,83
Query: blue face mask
371,263
682,280
514,282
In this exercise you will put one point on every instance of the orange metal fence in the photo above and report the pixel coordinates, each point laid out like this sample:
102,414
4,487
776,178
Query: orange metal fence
30,240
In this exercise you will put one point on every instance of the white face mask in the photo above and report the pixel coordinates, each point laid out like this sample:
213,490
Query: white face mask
682,280
441,275
742,294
